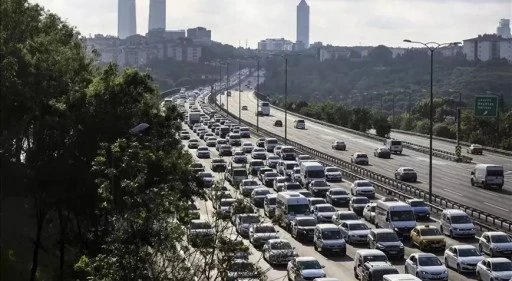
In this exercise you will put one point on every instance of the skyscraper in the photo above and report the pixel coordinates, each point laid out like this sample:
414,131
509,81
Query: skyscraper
126,18
303,23
504,28
156,14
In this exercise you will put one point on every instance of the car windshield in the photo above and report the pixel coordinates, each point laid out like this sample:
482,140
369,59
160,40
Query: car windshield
331,234
357,226
197,165
374,258
402,216
298,209
378,273
271,141
417,204
290,166
225,147
387,237
305,193
319,184
430,232
261,192
311,264
239,153
200,225
468,252
244,129
258,149
273,157
239,172
234,137
293,186
287,150
271,174
501,238
249,219
408,170
248,144
332,170
250,183
202,149
316,201
363,183
306,222
226,203
326,209
396,143
272,201
361,155
281,245
222,141
264,229
429,261
242,267
348,216
206,175
257,163
362,200
338,192
502,266
460,219
316,174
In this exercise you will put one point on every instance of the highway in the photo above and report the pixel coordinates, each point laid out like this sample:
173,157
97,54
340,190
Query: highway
450,180
338,267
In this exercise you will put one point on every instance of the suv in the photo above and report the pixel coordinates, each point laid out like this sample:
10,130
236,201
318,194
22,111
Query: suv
456,223
387,241
328,237
359,158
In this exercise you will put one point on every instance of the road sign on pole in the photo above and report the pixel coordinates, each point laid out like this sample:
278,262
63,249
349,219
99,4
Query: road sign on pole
486,106
458,150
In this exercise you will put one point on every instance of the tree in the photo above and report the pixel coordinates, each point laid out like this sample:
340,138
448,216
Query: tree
382,126
380,55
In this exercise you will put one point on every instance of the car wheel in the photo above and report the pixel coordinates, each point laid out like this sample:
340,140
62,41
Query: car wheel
472,182
288,276
355,274
451,234
478,277
459,270
406,270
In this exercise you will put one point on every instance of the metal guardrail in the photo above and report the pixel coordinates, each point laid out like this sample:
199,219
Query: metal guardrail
387,184
416,147
486,148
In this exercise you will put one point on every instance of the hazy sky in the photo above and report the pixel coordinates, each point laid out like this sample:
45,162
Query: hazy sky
338,22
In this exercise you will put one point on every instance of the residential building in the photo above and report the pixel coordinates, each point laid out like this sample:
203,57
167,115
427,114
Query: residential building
503,29
303,23
126,18
156,14
332,53
275,45
174,34
200,35
487,47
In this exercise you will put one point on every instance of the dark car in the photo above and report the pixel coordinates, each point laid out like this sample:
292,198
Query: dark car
337,197
339,145
382,152
218,165
225,150
197,167
193,144
262,171
260,142
278,123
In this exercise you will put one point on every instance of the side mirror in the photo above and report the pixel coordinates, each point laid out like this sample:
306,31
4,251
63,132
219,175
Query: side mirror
277,231
323,266
387,219
472,173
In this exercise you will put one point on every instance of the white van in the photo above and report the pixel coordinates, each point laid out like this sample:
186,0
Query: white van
488,175
311,171
400,277
395,215
456,223
299,124
290,205
395,146
270,144
264,108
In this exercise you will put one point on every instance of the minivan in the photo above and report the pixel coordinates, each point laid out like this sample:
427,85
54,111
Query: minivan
456,223
394,146
327,237
387,241
488,176
367,255
299,124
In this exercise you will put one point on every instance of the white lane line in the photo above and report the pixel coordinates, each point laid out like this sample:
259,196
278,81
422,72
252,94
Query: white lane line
494,206
327,137
437,162
451,191
487,192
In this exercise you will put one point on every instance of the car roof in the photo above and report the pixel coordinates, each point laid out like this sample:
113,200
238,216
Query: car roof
199,221
323,205
382,230
303,218
425,255
454,211
364,252
426,226
337,189
326,225
278,241
306,259
355,222
495,233
492,260
464,246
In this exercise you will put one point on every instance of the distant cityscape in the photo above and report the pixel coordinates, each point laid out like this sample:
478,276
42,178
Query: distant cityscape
131,49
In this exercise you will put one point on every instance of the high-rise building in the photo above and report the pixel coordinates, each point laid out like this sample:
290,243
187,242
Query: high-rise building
303,23
156,14
126,18
504,29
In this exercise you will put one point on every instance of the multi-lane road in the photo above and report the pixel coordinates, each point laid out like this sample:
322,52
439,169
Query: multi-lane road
338,267
450,180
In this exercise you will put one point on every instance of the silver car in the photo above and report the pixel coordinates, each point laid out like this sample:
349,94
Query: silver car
496,244
463,258
355,232
278,252
259,234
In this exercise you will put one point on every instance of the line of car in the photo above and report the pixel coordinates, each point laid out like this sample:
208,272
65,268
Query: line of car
417,264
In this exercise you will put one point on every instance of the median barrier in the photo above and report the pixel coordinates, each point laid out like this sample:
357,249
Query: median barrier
385,183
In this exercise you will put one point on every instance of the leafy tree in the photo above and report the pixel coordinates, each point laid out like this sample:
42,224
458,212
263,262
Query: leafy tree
382,126
380,55
443,130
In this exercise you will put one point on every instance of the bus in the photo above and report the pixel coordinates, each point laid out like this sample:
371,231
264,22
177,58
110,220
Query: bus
290,205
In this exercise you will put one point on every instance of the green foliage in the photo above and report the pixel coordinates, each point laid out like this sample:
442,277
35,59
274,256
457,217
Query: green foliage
444,131
382,126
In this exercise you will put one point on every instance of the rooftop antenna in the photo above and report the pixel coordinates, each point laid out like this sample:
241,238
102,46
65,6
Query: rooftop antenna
246,43
238,43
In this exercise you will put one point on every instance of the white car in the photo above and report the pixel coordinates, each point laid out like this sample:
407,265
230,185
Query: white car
278,251
279,183
203,152
323,212
259,153
494,269
248,186
239,157
426,266
211,141
259,234
495,244
355,232
247,147
304,268
333,174
304,158
362,188
314,201
343,216
369,212
359,158
207,178
464,258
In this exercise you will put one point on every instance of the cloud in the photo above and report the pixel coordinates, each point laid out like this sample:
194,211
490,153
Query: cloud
339,22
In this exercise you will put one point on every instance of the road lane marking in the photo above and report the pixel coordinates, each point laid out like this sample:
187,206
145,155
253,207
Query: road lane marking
494,206
437,162
454,192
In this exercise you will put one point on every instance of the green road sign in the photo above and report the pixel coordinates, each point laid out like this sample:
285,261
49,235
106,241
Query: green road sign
486,106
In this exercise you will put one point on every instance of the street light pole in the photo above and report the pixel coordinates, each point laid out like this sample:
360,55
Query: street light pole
227,87
393,118
285,100
258,96
239,97
432,47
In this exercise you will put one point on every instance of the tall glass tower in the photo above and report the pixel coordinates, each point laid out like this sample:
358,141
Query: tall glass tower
126,18
156,14
303,23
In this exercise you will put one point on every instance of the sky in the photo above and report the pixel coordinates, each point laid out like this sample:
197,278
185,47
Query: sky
336,22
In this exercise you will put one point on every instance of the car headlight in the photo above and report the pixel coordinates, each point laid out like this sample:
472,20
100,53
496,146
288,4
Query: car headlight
380,246
424,272
401,246
395,229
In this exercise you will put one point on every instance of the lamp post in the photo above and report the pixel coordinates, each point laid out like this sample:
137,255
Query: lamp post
257,95
239,97
459,105
227,87
432,47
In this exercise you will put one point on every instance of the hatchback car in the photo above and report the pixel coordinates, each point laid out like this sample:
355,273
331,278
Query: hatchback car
193,144
427,237
259,153
247,147
278,123
463,258
304,268
494,269
259,234
203,152
420,208
333,174
303,228
359,158
278,252
357,204
355,232
258,196
337,197
323,212
382,152
475,149
244,107
339,145
406,174
362,188
496,244
426,266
